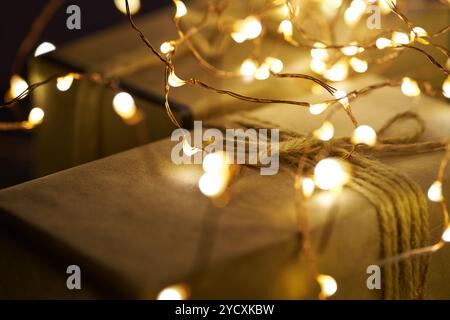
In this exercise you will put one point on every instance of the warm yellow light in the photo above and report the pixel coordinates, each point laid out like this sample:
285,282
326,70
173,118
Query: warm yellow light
43,48
36,116
364,134
248,67
316,109
215,162
331,4
188,150
174,81
252,27
212,184
351,50
435,192
384,6
247,29
134,6
337,72
343,99
238,37
285,10
181,9
328,286
419,32
124,106
354,13
275,65
64,83
175,292
17,86
382,43
316,89
167,47
325,132
446,235
308,187
400,38
358,65
331,173
351,16
318,52
359,6
285,28
263,72
318,66
446,88
410,87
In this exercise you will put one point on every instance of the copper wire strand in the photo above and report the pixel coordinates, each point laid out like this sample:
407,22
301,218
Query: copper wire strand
36,29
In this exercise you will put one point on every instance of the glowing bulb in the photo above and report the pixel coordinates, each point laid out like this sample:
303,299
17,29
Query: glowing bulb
384,6
342,97
181,9
308,187
337,72
134,6
400,38
212,184
435,192
17,86
285,10
36,116
275,65
325,132
248,67
410,87
328,286
446,88
167,47
175,292
418,32
251,27
318,52
174,81
43,48
124,106
351,50
382,43
351,16
285,28
188,150
358,65
64,83
318,66
446,235
364,134
263,72
238,37
331,173
215,162
316,109
331,4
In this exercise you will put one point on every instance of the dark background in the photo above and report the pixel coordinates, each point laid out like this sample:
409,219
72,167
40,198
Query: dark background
16,18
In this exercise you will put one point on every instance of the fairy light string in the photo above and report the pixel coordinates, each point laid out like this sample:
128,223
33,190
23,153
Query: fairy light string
329,61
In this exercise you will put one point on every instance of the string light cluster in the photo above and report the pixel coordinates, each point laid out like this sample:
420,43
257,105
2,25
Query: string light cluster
328,61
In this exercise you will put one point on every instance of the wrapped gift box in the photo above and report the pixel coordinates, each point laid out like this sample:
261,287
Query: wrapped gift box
135,222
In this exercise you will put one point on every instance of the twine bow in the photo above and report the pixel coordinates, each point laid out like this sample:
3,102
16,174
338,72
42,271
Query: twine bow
401,206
